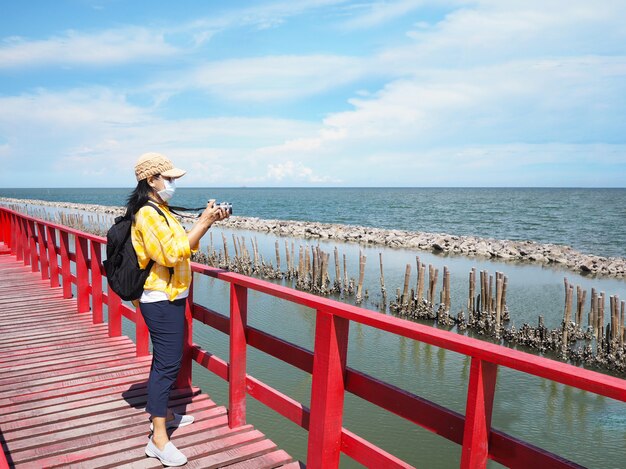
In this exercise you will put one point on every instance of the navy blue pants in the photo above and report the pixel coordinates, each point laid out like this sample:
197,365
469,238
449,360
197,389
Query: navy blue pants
166,323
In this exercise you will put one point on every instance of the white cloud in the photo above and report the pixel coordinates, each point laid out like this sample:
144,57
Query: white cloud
379,12
110,47
294,172
96,133
262,79
492,31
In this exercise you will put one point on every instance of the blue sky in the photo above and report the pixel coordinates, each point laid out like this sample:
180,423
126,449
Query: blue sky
315,92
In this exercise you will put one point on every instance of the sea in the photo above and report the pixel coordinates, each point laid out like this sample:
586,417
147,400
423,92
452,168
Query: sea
580,426
589,220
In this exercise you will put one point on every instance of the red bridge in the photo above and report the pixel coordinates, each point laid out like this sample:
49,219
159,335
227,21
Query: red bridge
72,387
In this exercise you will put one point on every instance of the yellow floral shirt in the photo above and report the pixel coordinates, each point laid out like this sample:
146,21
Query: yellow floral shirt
169,247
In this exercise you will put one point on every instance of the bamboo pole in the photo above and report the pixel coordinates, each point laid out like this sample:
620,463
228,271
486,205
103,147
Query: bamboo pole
235,246
601,331
579,306
472,286
434,285
226,258
490,295
417,274
623,328
567,314
316,267
301,264
256,253
420,282
359,291
483,289
324,271
431,276
593,321
499,286
505,282
307,263
615,327
383,290
277,256
405,292
446,288
337,269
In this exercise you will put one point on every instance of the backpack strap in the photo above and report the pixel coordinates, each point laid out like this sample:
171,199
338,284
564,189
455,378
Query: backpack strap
152,261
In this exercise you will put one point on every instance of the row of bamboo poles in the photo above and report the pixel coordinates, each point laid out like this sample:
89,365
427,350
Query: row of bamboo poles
485,313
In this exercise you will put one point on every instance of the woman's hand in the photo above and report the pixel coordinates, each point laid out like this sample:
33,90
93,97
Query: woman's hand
210,215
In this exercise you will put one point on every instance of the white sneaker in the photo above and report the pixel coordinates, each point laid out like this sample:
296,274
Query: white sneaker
170,456
178,421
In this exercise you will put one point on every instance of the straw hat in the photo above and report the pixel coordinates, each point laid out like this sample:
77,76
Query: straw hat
150,164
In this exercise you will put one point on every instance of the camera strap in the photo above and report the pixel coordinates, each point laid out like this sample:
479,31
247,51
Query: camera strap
175,209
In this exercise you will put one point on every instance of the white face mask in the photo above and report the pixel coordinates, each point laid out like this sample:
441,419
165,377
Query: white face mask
167,193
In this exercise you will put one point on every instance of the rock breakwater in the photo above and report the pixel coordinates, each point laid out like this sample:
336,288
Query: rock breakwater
505,250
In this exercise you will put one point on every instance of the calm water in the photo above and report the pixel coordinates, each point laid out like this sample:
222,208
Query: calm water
591,220
580,426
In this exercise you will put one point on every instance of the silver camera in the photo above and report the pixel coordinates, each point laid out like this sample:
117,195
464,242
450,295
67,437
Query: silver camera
226,206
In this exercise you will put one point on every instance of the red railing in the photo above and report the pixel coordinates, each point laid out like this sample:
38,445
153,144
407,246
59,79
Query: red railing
35,243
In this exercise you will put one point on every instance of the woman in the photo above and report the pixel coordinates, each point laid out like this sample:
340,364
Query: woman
162,238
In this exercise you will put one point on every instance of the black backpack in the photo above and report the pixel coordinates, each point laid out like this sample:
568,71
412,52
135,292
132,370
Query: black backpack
122,267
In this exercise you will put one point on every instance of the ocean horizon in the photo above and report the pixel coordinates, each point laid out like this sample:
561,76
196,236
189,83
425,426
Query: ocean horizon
588,219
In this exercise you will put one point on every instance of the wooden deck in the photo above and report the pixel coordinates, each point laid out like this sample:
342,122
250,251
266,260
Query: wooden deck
72,396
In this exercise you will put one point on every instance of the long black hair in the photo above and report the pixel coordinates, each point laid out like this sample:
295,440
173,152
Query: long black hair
138,198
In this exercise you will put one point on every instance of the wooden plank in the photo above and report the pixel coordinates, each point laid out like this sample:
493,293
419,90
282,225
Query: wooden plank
108,350
78,418
50,444
233,455
54,369
127,395
230,448
68,380
116,455
50,349
72,386
269,460
207,415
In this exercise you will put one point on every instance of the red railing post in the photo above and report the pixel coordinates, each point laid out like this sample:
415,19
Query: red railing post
114,313
32,243
4,224
96,282
82,274
15,237
142,335
480,394
327,390
183,380
25,242
238,344
53,260
19,241
65,264
43,251
10,239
